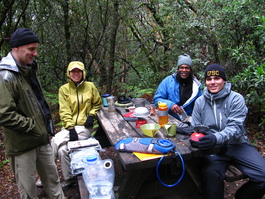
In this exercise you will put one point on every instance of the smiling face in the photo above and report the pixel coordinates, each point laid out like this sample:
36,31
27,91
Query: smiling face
76,75
25,54
214,84
184,71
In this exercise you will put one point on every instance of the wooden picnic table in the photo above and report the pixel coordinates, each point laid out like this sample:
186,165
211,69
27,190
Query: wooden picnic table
117,128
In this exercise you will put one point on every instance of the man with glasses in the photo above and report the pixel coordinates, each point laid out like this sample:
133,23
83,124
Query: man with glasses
179,90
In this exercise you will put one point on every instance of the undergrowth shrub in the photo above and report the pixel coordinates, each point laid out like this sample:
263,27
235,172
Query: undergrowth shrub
251,83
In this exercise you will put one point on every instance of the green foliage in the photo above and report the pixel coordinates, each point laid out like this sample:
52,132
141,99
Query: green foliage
4,162
137,92
251,83
51,97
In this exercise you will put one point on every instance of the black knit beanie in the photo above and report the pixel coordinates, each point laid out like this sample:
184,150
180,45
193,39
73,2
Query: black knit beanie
23,36
215,70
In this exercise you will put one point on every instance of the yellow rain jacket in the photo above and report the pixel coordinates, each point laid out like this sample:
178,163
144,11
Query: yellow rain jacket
78,101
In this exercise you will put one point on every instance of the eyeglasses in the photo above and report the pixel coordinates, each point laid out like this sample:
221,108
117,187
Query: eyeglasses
184,68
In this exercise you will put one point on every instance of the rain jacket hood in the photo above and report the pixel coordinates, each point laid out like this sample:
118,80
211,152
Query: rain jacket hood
76,64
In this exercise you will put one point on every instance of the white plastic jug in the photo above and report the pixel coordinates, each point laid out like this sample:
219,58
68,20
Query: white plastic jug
99,177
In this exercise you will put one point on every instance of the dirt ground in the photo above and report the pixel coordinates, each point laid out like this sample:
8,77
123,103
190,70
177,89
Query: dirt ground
185,190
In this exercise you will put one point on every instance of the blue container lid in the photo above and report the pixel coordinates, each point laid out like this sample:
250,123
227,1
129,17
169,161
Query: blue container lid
90,159
164,143
105,95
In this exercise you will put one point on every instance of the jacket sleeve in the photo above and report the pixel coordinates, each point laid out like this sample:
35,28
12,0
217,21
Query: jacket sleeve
197,112
65,109
162,93
234,128
9,116
96,103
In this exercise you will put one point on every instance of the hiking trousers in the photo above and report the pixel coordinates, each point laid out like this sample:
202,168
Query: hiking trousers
25,167
243,156
60,149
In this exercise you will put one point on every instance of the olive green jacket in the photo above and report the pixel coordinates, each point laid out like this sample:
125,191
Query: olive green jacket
24,123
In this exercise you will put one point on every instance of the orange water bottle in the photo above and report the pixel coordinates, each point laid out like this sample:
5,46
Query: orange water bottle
162,113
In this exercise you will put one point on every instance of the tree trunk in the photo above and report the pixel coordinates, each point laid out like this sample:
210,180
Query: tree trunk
114,28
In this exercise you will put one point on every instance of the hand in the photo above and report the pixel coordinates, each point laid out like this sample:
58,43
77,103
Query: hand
73,135
176,109
207,142
194,144
89,121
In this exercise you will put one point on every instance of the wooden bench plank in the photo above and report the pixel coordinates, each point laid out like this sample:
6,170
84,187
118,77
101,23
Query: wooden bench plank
233,174
84,194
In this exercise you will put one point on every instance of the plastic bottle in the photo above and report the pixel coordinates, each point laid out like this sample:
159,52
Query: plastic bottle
162,113
99,178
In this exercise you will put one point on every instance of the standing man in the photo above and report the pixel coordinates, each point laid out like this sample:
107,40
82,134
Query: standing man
224,112
180,89
26,118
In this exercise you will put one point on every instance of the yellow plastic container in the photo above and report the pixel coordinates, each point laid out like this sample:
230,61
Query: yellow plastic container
162,113
150,129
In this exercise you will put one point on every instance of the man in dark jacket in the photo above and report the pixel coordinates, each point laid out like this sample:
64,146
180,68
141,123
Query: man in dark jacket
26,118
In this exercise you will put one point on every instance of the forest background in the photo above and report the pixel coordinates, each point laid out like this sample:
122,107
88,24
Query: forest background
129,46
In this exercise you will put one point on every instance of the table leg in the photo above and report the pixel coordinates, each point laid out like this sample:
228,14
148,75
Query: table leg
132,183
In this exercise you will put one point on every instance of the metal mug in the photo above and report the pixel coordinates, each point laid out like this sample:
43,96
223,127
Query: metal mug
170,129
139,102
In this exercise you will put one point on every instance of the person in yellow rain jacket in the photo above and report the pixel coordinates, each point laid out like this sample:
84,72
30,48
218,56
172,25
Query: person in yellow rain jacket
79,102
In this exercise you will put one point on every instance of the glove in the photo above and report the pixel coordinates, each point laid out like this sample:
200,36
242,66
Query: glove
207,142
194,144
185,130
89,121
73,135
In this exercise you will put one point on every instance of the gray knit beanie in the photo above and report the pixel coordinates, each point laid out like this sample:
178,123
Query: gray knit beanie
23,36
185,59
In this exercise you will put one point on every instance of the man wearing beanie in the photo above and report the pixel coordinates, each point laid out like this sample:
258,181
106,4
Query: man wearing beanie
26,118
179,90
224,112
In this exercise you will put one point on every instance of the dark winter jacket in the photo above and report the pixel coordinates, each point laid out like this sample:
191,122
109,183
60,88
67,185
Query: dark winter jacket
24,113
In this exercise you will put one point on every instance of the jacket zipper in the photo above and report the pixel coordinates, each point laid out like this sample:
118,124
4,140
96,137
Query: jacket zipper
77,105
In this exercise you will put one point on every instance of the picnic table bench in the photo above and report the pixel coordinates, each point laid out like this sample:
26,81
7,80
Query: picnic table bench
117,128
